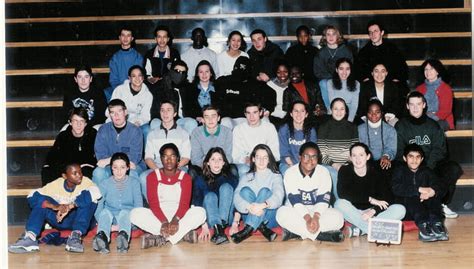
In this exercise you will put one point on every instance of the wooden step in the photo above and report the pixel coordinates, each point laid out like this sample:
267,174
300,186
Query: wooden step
342,13
23,185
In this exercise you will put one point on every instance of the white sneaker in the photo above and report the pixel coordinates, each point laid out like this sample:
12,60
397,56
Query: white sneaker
448,213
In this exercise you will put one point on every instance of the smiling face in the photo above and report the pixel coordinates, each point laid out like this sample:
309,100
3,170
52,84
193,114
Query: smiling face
126,39
235,42
430,73
379,73
374,113
375,34
299,114
282,74
136,78
118,116
308,160
343,70
162,39
169,159
216,162
296,75
83,80
261,159
359,157
119,169
338,110
204,73
253,114
413,160
258,41
73,175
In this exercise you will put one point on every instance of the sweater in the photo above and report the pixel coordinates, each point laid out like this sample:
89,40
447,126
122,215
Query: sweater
334,140
193,56
160,136
168,196
119,64
445,102
424,132
128,141
325,60
357,189
138,105
265,61
202,141
225,63
256,181
245,138
386,53
201,188
381,140
115,199
92,100
302,56
290,145
350,97
310,193
68,149
405,183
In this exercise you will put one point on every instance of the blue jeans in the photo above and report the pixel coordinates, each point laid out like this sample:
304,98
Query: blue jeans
142,178
219,209
187,124
283,167
323,85
108,93
79,219
100,174
354,215
242,168
333,174
268,217
145,130
106,218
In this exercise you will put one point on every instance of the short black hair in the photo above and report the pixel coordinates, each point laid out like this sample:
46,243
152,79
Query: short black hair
204,37
310,145
116,102
413,148
302,28
83,67
258,31
171,146
81,112
375,22
126,28
171,102
211,107
167,30
133,67
120,156
415,94
249,104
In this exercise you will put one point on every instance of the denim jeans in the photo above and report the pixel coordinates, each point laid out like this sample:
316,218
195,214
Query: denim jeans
145,130
426,211
106,218
354,215
78,219
283,167
242,168
102,173
187,124
267,217
219,209
323,85
333,174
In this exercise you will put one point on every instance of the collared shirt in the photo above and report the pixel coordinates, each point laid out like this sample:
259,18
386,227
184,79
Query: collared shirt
166,130
302,173
204,97
207,134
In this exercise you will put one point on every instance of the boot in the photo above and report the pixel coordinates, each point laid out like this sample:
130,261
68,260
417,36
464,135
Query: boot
219,236
287,235
331,236
267,233
242,235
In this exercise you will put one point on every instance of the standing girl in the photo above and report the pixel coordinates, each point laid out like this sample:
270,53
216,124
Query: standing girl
259,194
214,190
120,194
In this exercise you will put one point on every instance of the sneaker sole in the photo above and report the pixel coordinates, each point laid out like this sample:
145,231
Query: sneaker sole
74,250
427,239
450,216
21,250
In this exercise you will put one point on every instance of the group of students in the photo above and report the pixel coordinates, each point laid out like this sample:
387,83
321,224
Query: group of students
297,159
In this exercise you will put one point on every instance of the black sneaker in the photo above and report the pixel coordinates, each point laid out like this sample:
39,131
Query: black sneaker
426,234
331,236
100,243
74,242
439,231
122,242
287,235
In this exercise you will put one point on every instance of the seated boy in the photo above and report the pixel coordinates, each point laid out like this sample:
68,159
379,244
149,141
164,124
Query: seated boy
417,188
68,203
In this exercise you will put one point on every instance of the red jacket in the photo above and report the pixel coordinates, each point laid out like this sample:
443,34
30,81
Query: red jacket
445,99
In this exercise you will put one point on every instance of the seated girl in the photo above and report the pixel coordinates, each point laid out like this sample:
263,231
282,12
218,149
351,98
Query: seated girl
279,84
203,82
214,190
297,131
438,94
363,193
259,194
120,194
73,145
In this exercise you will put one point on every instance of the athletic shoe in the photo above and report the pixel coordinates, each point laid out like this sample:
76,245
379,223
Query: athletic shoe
122,242
426,234
351,231
448,213
439,231
74,242
191,237
151,240
331,236
100,243
24,245
287,235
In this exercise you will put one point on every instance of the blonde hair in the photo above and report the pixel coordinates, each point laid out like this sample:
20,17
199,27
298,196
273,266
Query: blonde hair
340,38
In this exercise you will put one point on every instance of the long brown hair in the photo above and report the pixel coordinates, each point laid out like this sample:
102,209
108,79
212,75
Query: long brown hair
209,177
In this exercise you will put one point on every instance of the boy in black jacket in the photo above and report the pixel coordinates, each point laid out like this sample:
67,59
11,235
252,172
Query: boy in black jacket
418,189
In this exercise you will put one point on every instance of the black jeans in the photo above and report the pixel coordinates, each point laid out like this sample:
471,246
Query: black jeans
426,211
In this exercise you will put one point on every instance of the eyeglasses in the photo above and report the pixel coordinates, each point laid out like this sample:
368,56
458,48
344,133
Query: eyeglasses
308,157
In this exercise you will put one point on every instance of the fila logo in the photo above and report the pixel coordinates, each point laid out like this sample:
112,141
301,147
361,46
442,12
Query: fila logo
420,141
